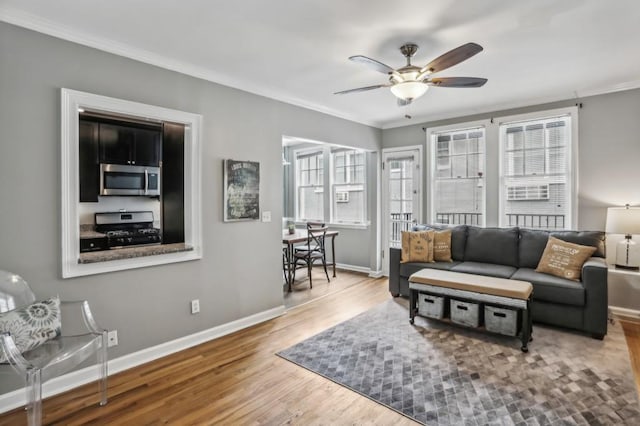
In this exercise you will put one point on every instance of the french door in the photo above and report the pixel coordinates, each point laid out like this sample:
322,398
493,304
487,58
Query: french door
401,195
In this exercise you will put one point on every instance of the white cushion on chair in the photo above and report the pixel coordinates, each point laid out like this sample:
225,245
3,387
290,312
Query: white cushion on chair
32,325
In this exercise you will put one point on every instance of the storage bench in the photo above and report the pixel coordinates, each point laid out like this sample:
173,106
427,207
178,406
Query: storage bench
505,304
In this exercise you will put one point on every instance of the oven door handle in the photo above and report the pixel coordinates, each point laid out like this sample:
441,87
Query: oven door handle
146,181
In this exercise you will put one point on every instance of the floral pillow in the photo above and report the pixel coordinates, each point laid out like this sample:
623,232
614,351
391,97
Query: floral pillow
32,325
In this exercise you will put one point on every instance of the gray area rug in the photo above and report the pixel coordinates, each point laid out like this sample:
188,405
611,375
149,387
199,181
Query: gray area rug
440,374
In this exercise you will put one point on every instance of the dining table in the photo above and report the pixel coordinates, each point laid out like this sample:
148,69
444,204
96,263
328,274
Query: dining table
300,236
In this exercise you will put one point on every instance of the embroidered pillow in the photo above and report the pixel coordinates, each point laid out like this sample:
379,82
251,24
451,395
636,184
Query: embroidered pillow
564,259
32,325
442,246
417,246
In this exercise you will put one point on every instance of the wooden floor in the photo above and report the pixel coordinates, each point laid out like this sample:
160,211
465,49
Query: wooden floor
238,379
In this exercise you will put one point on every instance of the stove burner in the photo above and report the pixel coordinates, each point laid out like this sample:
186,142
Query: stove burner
118,233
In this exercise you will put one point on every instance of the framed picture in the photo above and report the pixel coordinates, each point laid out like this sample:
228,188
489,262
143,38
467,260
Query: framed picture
241,190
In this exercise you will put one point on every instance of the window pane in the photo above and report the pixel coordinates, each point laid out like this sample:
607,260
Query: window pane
537,190
348,208
311,203
458,187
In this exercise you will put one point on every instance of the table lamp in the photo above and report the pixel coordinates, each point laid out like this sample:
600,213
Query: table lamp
625,220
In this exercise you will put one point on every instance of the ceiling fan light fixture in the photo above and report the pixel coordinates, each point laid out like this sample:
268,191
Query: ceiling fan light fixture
409,90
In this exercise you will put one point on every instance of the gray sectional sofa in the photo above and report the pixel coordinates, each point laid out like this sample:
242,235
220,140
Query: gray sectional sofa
515,253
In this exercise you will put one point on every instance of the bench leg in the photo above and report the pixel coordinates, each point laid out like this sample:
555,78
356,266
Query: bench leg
413,299
527,326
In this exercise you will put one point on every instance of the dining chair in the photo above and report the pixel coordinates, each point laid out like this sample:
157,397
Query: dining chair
313,251
39,346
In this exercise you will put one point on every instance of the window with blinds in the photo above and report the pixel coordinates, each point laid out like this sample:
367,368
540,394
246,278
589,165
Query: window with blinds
536,178
348,186
309,186
457,185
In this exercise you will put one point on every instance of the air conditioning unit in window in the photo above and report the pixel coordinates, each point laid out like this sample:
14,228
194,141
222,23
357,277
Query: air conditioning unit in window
342,197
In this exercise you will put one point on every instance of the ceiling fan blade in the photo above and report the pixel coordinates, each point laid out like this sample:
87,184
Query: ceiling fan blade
403,102
372,63
361,89
457,82
452,57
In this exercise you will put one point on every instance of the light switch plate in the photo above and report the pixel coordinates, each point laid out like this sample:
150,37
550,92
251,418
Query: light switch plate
266,216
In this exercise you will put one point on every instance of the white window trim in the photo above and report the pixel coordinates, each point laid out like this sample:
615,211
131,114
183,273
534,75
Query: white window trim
71,101
365,213
296,197
327,161
573,163
432,167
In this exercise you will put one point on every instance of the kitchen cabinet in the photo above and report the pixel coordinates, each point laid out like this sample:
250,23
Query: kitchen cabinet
89,169
173,183
125,144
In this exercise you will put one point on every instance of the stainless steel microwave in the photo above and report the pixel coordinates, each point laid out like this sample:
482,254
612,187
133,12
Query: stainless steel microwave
120,179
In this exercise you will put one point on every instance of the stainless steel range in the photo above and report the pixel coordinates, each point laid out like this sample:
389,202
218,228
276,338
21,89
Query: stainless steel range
125,229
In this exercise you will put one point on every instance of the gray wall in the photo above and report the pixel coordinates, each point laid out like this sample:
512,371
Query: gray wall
150,306
608,153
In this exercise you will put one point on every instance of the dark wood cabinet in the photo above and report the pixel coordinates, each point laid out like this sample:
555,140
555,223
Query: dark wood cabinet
89,168
124,144
172,183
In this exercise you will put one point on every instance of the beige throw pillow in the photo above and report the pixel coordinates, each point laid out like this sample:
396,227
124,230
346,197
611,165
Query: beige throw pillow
417,246
442,246
564,259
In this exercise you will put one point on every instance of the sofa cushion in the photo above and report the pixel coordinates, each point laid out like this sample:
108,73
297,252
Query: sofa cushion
417,246
533,243
408,269
458,238
564,259
552,289
584,238
492,245
442,246
489,269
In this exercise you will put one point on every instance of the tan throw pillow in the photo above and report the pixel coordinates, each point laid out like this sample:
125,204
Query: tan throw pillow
417,246
564,259
442,246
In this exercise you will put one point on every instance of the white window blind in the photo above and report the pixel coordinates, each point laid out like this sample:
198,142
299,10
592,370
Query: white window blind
536,179
457,186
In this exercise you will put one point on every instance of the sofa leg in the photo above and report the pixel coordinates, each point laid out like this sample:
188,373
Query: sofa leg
597,336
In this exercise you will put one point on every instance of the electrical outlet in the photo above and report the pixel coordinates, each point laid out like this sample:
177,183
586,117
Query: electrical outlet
195,306
266,216
112,338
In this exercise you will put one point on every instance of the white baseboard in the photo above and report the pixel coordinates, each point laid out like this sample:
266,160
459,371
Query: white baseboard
376,274
16,398
353,268
624,312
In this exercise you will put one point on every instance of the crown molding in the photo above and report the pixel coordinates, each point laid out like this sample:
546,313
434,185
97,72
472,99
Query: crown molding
44,26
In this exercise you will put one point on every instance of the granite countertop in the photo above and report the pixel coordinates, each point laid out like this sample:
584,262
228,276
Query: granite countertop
132,252
88,231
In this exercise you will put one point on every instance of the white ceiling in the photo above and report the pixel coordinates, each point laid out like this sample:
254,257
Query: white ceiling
296,51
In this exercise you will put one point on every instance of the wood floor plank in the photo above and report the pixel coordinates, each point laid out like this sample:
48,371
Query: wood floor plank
238,379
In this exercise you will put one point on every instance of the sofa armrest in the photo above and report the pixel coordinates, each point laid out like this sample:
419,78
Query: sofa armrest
394,271
594,279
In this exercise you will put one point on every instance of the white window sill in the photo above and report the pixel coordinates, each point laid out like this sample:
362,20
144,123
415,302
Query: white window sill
341,225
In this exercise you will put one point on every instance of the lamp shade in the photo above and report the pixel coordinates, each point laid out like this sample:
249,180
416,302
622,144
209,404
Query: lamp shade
409,90
623,220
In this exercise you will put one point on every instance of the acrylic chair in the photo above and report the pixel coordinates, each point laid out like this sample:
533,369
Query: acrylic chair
56,356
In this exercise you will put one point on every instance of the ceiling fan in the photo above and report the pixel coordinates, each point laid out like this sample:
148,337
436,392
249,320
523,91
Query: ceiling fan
410,82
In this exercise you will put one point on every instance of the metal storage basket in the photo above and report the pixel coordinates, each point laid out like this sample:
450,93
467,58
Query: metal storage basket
431,306
465,313
501,320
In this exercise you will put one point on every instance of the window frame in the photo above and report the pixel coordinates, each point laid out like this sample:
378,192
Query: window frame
327,185
432,163
347,168
571,158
